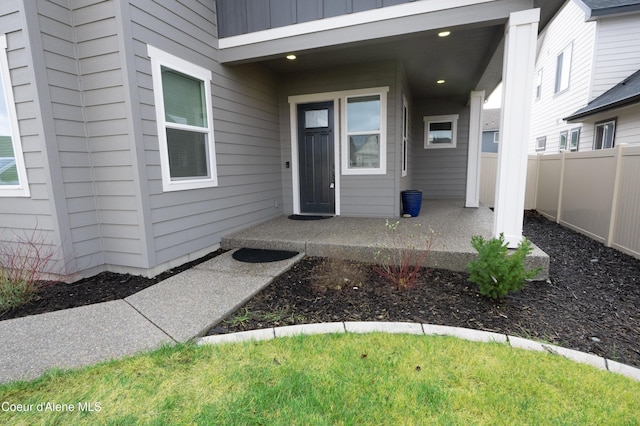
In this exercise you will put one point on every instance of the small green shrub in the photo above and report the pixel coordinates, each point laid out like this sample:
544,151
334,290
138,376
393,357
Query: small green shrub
14,293
495,270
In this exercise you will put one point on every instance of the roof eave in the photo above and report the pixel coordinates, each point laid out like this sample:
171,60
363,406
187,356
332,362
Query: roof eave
604,108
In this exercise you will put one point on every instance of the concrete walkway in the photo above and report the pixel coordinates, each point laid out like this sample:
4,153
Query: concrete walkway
175,310
182,308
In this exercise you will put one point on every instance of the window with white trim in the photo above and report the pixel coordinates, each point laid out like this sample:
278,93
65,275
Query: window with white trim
440,131
13,174
605,134
365,147
182,93
405,136
574,139
563,69
496,137
562,144
539,84
541,143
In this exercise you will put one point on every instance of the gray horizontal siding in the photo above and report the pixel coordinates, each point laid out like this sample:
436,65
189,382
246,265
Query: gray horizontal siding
440,173
24,218
245,107
246,16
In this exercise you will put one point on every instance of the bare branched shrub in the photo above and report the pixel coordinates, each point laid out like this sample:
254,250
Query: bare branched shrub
400,259
23,263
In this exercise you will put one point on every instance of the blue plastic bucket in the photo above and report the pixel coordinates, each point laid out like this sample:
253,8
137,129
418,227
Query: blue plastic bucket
411,202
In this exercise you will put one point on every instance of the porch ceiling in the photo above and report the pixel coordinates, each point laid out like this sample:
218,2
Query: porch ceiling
469,59
460,59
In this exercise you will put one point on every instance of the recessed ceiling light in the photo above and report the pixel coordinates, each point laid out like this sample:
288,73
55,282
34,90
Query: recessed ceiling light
440,81
291,57
444,33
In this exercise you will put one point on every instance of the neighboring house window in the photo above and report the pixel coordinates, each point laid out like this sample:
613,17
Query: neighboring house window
605,134
182,93
563,69
405,135
366,149
13,175
496,137
440,131
539,84
541,143
574,139
563,140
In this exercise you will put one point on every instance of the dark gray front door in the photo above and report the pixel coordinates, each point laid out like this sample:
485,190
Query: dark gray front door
316,158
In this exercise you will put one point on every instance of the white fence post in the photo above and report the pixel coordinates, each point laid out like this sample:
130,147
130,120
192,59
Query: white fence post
614,199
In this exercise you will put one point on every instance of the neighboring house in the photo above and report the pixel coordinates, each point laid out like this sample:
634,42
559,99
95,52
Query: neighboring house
587,49
491,129
136,133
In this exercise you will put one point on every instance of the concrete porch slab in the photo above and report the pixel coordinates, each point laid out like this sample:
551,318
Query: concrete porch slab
447,224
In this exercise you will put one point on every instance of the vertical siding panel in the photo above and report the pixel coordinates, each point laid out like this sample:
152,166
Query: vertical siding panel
548,190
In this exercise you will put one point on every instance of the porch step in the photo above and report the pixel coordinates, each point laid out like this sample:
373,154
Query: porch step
361,238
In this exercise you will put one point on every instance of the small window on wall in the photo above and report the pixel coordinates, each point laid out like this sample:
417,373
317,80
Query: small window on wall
574,139
539,84
563,69
440,131
365,150
182,93
605,134
13,174
496,137
541,143
562,145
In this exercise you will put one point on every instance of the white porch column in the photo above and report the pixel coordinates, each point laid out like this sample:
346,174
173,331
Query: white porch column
517,86
476,103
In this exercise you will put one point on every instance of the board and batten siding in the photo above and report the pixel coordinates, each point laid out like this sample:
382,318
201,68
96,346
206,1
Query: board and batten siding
547,112
246,129
246,16
33,217
617,52
440,173
360,195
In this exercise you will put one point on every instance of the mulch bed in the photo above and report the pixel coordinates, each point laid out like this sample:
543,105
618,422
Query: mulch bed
590,303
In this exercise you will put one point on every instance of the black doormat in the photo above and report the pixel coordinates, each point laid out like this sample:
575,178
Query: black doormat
308,217
262,256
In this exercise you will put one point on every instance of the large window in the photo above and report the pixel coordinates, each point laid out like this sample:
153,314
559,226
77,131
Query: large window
440,131
182,93
563,69
13,175
605,134
365,149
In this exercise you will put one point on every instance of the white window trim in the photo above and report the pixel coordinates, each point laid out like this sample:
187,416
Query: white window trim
496,137
405,137
543,146
22,189
595,132
161,58
382,170
575,130
567,59
564,133
538,84
453,118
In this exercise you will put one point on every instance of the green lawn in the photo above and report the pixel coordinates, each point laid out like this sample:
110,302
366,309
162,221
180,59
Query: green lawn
374,379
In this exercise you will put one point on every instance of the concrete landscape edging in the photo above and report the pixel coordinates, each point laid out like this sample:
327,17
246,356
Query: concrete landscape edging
424,329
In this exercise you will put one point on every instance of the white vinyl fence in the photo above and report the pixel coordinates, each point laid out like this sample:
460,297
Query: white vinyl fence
596,193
